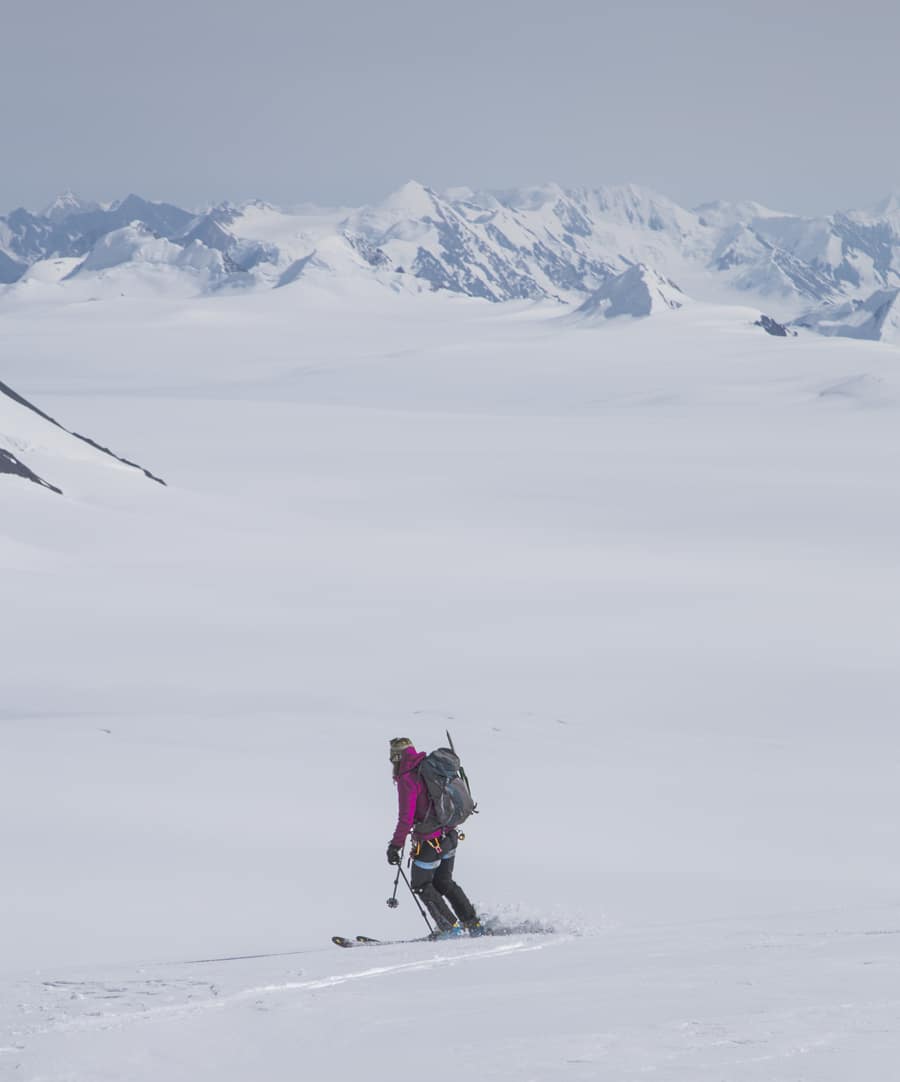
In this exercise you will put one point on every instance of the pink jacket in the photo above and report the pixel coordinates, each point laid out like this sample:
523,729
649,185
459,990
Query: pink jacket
412,798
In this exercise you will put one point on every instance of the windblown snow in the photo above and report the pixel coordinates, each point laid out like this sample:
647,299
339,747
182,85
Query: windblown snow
644,569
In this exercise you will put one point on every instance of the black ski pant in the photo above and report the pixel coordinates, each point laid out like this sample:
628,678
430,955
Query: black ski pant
432,879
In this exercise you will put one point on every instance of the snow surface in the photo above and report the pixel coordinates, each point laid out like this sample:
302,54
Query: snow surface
646,572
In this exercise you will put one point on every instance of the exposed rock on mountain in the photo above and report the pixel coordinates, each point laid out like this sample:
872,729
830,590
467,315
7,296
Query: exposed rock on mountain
773,327
11,270
9,464
29,237
638,291
26,432
876,318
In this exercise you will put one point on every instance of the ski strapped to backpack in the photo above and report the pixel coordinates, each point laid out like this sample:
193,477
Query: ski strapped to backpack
450,797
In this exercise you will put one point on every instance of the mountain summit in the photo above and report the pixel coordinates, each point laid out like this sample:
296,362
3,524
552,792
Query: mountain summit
638,291
65,205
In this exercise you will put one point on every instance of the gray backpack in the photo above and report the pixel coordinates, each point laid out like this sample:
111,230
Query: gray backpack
451,801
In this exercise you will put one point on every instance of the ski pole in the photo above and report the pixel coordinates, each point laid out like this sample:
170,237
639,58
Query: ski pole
392,901
416,900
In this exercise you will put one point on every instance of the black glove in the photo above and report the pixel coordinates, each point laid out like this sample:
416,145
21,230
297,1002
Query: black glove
393,854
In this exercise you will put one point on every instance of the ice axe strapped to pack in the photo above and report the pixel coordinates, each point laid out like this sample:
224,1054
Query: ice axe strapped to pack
450,797
462,771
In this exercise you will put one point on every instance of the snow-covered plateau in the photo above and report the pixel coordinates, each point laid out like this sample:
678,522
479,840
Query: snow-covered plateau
644,569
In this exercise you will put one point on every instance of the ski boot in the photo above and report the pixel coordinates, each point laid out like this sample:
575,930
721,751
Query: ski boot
454,931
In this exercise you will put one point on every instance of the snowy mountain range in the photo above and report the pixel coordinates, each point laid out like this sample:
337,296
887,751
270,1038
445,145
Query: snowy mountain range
547,242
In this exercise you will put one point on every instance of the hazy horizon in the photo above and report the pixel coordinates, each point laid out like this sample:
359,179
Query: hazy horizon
197,103
298,204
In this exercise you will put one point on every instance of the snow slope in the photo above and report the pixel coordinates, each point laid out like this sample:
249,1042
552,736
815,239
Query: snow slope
647,574
26,432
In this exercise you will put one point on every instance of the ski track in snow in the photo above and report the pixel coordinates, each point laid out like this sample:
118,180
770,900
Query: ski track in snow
129,991
380,971
788,999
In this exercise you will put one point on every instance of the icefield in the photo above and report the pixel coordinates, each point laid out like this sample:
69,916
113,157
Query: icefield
644,569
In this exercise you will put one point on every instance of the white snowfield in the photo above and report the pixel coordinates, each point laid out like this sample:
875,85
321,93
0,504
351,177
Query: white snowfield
645,570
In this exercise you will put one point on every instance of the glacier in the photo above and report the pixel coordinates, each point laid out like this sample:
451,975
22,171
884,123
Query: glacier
644,569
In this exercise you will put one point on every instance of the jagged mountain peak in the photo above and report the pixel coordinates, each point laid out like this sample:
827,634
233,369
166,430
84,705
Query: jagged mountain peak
66,204
220,212
260,205
412,199
406,214
137,206
887,206
631,194
875,318
640,206
626,202
723,214
530,198
132,243
885,212
637,292
209,229
132,202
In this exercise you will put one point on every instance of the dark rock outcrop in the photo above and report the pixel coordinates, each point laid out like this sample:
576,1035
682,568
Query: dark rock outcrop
12,461
773,327
12,465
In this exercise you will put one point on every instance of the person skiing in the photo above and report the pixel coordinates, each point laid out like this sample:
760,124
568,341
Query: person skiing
433,854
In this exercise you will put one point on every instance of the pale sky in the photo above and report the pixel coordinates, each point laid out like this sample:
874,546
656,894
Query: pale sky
791,103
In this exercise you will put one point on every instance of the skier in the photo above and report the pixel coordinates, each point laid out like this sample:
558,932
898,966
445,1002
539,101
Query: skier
433,854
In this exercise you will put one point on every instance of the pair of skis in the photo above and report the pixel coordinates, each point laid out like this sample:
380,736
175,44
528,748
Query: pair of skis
366,941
